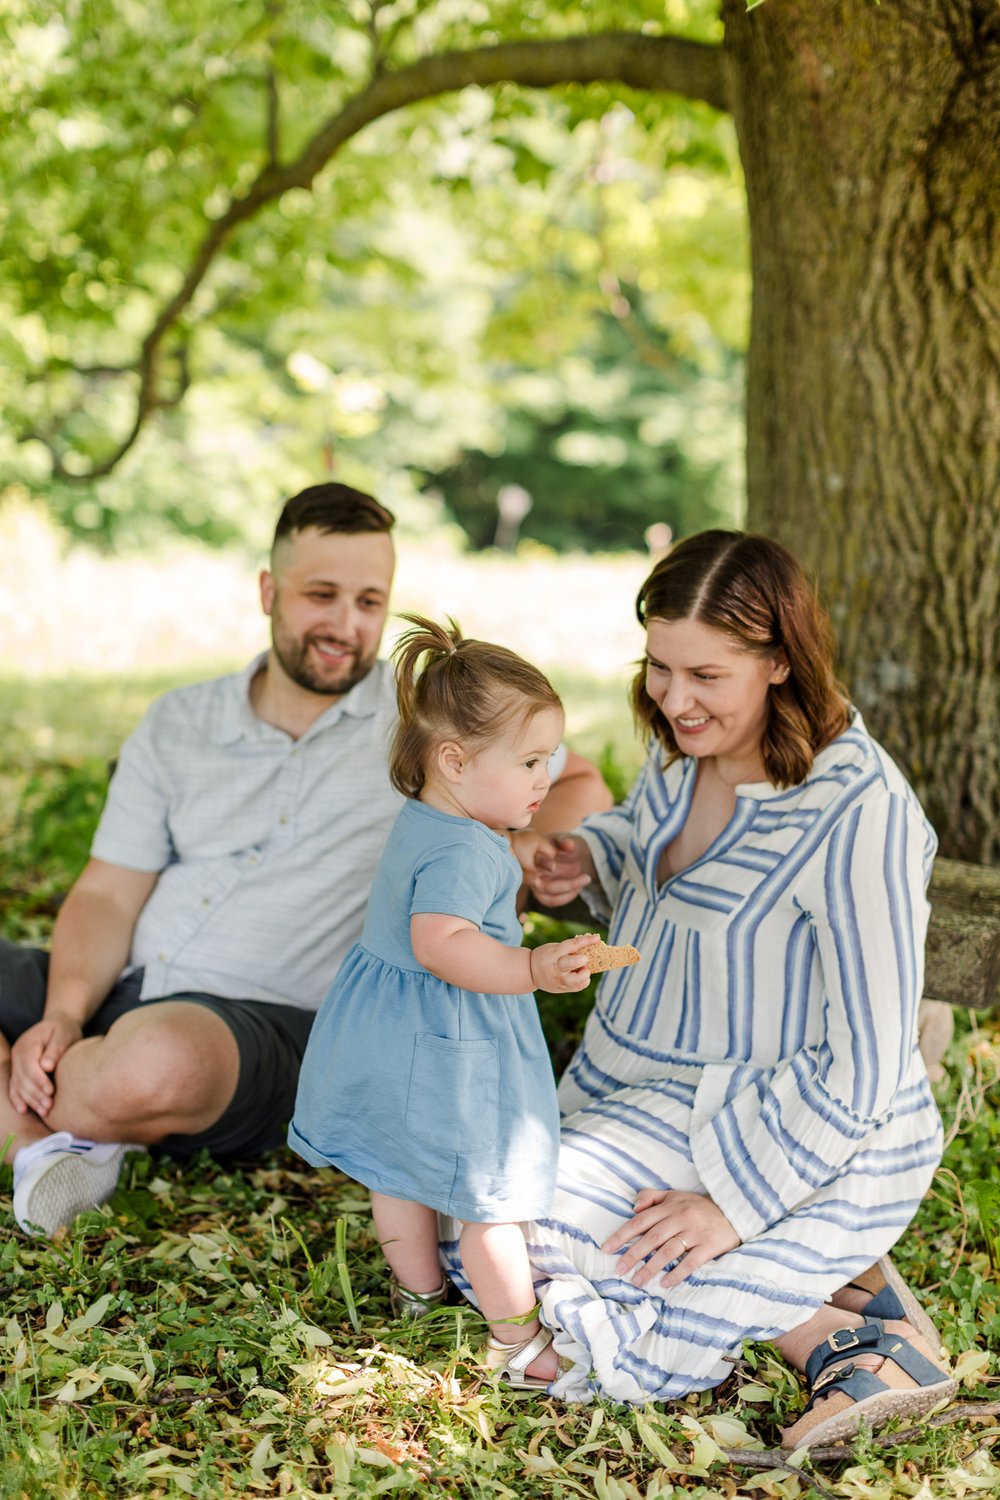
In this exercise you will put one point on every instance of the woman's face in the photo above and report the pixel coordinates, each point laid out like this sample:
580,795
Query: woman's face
712,694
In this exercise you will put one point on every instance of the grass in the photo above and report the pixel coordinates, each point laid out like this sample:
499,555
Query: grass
219,1330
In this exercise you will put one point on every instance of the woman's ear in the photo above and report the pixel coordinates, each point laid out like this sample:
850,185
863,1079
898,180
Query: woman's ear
450,760
781,671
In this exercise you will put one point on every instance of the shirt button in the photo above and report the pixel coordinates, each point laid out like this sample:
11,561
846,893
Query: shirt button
252,860
282,821
206,900
162,957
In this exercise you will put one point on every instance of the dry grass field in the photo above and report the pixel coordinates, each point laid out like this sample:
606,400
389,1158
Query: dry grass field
79,628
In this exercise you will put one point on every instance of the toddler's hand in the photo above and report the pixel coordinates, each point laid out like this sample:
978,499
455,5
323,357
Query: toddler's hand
561,968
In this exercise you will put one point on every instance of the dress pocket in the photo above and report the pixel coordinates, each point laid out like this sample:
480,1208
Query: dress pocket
453,1102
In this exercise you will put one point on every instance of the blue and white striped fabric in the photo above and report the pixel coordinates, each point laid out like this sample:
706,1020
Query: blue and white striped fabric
763,1051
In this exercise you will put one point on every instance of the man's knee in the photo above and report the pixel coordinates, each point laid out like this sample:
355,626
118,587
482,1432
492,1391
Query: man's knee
165,1062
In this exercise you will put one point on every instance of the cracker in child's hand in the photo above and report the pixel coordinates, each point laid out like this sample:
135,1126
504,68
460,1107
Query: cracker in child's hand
601,957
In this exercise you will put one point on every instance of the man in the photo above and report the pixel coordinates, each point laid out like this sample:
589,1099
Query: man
229,875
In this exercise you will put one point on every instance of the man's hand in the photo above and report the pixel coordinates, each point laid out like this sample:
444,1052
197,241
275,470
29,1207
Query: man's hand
34,1058
90,947
556,866
561,968
686,1227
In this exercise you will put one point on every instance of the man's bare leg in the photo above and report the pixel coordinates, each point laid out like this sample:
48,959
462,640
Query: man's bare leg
164,1069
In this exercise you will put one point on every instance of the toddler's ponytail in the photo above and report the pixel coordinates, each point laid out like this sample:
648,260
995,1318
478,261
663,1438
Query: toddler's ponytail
450,687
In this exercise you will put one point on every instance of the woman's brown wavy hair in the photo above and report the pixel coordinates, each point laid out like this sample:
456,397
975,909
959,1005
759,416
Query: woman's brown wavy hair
754,591
452,688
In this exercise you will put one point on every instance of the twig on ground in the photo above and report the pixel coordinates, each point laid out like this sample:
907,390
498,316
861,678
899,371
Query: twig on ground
776,1458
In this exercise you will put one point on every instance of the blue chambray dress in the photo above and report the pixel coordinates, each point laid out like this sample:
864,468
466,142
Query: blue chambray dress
414,1087
763,1051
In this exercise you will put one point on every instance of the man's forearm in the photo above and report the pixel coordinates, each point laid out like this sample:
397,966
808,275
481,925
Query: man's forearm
89,950
92,938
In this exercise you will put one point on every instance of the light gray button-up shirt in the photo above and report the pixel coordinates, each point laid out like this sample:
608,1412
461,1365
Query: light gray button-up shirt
265,845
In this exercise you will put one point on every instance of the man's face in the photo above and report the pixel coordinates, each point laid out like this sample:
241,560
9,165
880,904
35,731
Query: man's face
327,597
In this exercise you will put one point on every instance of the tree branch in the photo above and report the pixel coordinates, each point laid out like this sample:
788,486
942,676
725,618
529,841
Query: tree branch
658,63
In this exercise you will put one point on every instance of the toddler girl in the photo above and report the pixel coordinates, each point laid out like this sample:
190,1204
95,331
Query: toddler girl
426,1076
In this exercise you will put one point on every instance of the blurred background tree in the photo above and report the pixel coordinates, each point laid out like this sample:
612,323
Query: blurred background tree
486,287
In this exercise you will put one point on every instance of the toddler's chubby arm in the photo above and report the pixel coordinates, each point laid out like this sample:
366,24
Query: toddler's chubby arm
461,954
556,866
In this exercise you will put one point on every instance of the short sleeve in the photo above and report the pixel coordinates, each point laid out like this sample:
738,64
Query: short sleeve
134,831
458,879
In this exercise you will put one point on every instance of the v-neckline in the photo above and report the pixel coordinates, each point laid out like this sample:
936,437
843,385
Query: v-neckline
742,814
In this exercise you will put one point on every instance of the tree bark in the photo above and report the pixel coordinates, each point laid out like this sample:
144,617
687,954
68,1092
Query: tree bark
869,140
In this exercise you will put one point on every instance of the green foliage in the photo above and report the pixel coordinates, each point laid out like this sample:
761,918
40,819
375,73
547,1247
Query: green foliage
195,1338
56,812
384,321
59,810
985,1196
607,453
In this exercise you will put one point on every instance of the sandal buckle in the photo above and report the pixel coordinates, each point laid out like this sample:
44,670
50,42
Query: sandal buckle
838,1372
843,1338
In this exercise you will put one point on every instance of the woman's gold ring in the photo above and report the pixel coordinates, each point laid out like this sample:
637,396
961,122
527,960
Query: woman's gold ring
683,1242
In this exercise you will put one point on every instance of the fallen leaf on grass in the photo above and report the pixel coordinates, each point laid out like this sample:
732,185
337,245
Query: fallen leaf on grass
971,1365
92,1317
729,1432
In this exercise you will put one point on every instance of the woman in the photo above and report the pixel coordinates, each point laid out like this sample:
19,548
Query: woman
747,1121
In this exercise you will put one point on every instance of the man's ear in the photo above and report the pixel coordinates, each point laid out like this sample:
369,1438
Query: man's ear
267,590
451,760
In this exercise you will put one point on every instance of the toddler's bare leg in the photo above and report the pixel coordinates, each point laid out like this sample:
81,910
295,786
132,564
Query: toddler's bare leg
407,1233
495,1258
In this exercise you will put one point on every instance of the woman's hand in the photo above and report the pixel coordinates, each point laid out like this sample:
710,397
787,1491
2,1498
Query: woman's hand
556,866
561,968
686,1227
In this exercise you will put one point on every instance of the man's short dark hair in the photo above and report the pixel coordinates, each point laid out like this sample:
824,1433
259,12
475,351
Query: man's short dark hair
332,507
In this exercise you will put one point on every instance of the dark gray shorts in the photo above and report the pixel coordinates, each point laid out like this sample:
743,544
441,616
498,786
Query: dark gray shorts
271,1040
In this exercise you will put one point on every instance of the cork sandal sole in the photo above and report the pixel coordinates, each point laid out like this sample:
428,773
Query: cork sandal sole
839,1415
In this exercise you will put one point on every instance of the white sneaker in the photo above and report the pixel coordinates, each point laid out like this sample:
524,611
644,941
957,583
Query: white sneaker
59,1177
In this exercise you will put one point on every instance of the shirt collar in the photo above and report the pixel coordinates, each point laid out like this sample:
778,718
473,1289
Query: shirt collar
851,747
237,719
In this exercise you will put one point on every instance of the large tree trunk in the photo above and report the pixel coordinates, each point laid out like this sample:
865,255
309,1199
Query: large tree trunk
869,140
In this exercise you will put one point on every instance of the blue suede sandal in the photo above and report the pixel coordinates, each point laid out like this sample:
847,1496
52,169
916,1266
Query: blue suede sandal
893,1297
843,1394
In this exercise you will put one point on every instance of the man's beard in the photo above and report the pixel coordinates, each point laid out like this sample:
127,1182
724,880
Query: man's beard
333,681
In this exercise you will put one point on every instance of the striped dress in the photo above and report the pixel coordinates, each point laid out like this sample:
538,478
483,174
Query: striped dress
764,1051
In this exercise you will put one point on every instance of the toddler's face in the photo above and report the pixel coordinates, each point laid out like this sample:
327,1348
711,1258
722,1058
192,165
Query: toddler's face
503,784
